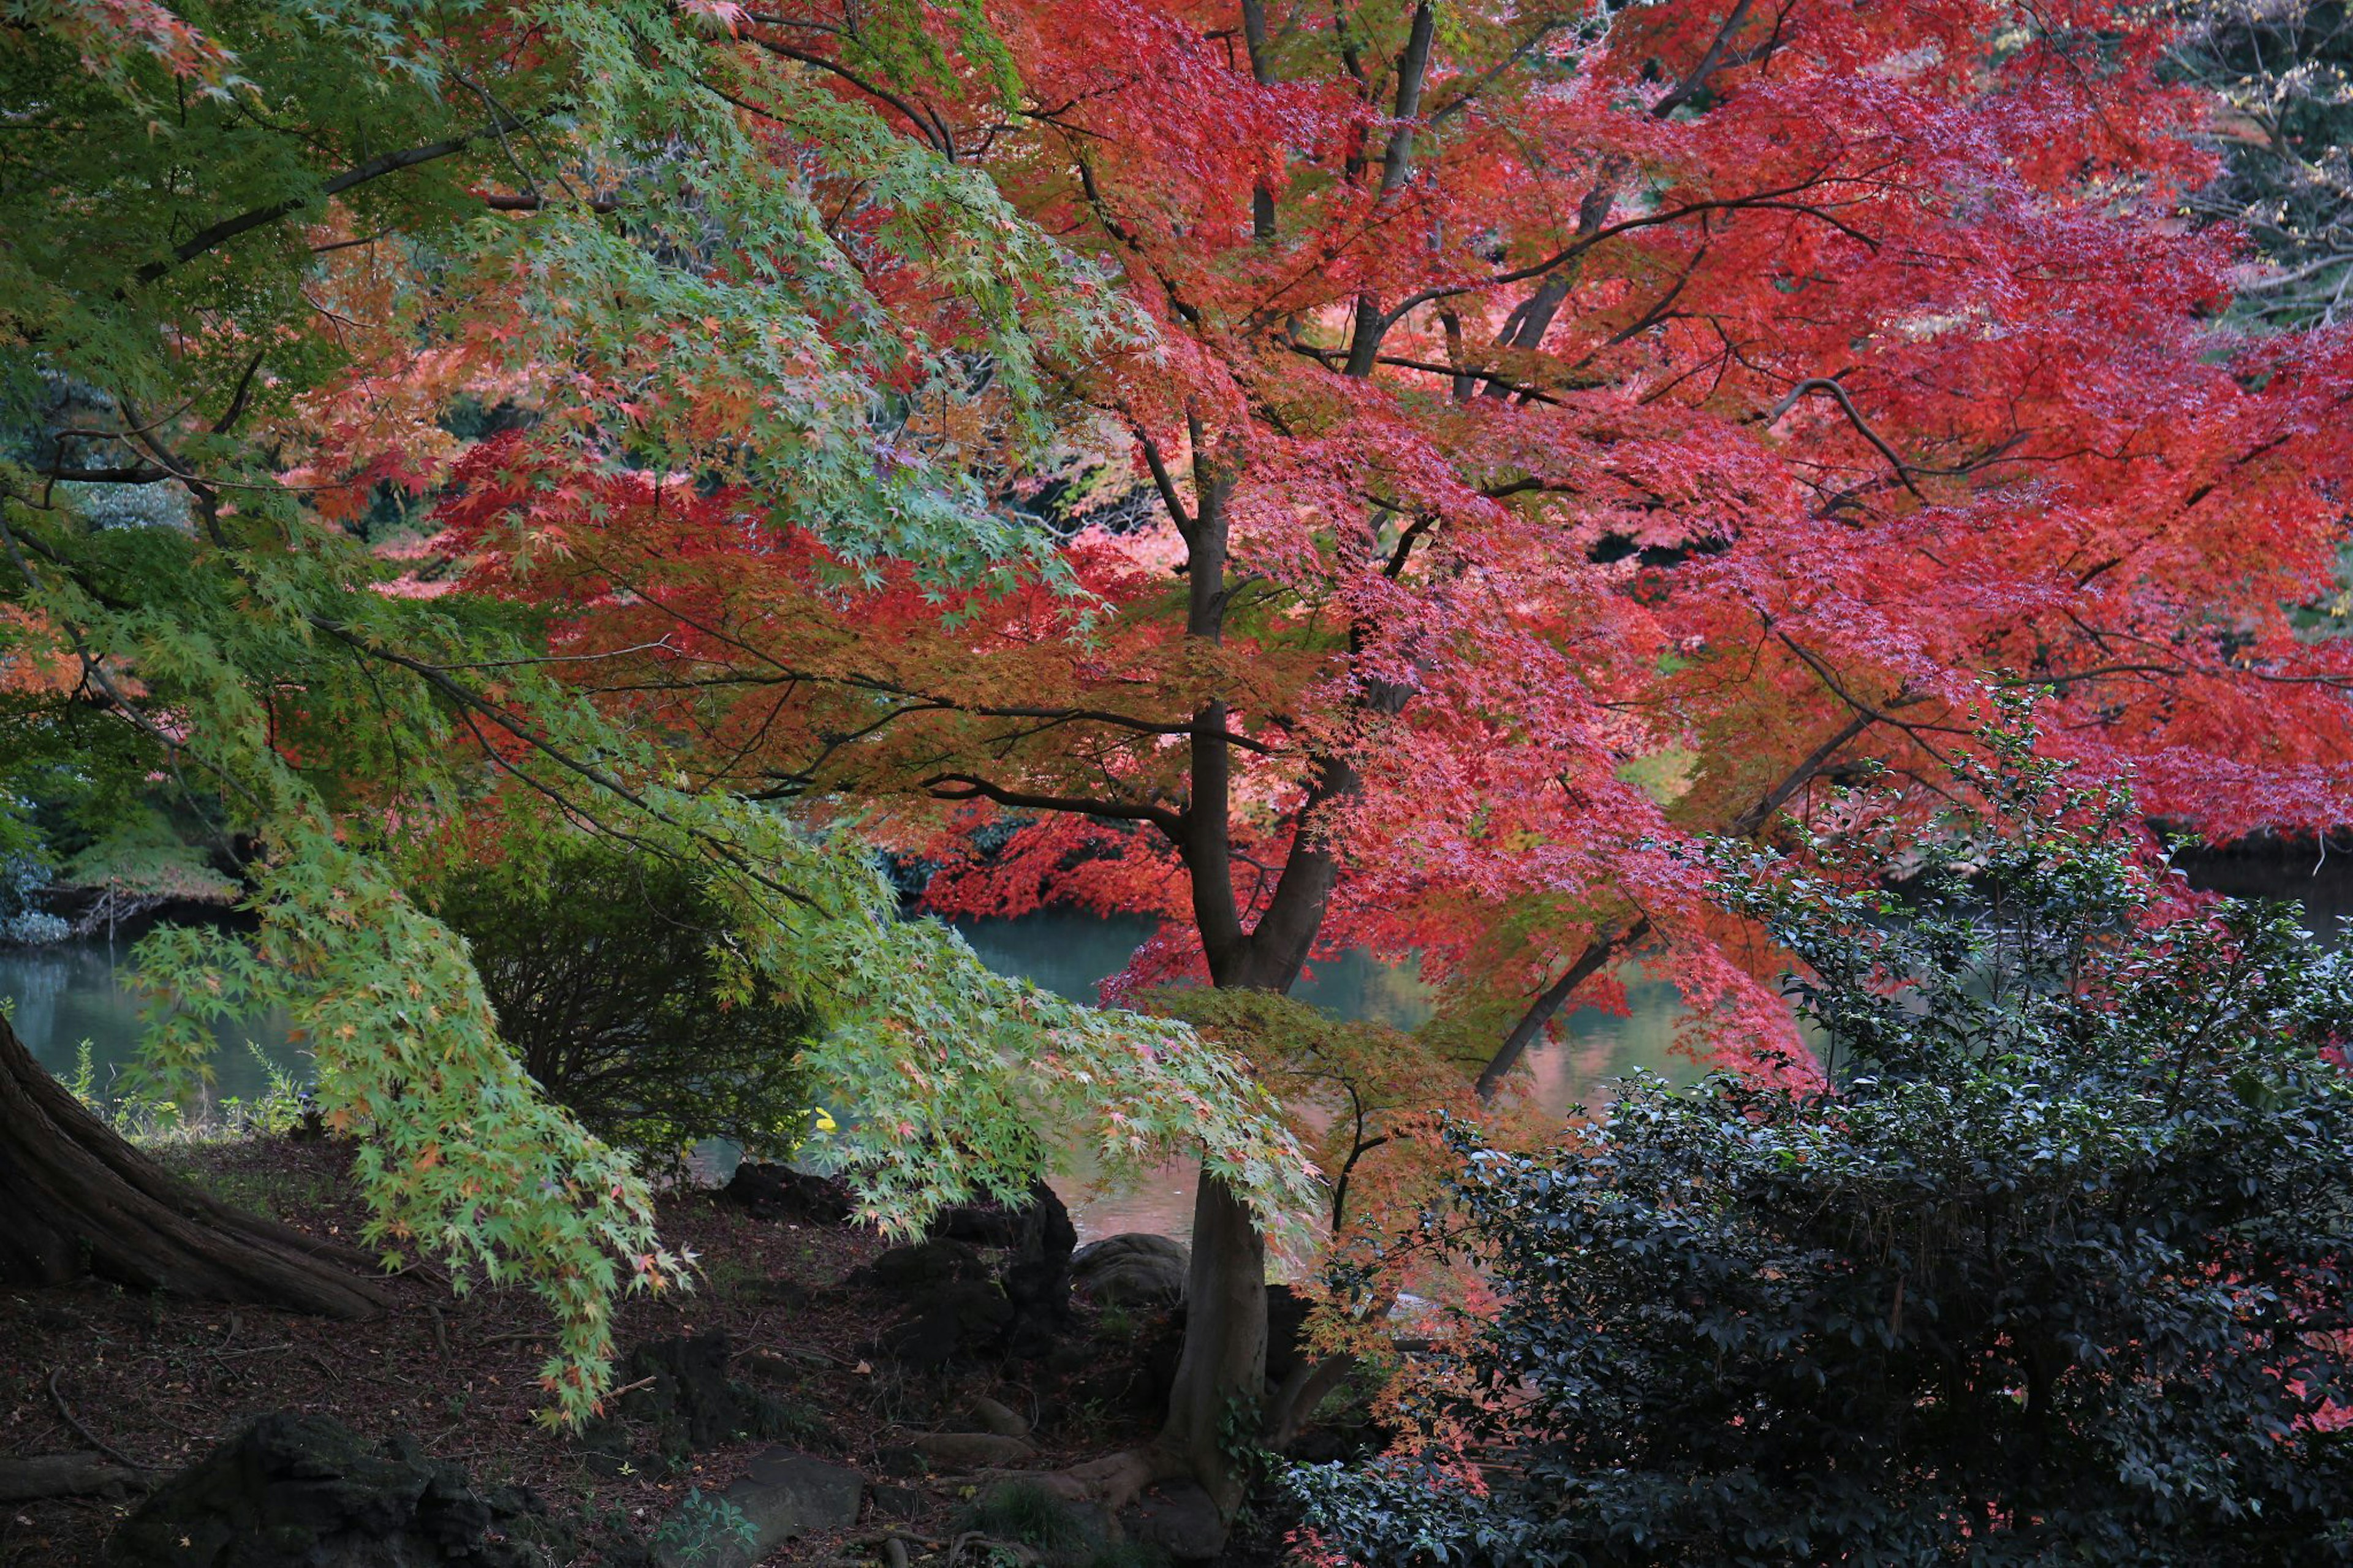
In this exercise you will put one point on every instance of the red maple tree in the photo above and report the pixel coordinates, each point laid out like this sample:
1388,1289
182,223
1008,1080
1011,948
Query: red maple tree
1564,431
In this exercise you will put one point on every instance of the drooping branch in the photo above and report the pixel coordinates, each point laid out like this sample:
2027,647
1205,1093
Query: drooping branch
930,126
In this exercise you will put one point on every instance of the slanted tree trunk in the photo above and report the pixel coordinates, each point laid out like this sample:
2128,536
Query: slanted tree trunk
76,1199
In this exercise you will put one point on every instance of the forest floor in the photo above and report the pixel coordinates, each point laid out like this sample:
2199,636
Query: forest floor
160,1381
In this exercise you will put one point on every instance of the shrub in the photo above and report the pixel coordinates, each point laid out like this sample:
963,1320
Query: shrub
607,971
2054,1272
22,923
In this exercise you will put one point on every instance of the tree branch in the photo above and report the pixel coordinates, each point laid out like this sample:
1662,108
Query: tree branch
1694,84
1598,953
1813,384
930,127
359,175
967,786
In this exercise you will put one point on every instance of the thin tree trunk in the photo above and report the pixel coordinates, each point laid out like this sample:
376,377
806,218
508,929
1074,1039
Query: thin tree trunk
1608,944
1604,947
78,1199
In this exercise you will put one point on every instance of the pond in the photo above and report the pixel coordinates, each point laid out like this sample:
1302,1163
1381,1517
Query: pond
73,993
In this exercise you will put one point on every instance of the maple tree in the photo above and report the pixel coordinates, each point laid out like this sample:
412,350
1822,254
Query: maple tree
1368,475
1563,429
264,262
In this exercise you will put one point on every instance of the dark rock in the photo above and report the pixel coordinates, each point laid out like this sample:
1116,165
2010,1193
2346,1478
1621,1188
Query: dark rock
1179,1517
780,1191
604,1445
1036,1278
989,1223
899,1460
1037,1238
1039,1226
690,1388
922,1268
960,1320
820,1496
303,1492
1286,1332
1133,1269
1033,1284
900,1502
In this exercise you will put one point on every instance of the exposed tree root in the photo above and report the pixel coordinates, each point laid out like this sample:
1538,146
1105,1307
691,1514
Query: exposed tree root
69,1475
80,1200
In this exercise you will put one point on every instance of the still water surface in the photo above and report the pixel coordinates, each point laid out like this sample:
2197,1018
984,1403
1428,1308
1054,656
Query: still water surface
67,995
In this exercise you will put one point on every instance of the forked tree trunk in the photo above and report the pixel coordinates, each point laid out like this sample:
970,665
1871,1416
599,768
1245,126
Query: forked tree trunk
76,1199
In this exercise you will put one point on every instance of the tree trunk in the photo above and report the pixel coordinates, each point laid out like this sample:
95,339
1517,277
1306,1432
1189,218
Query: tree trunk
1221,1370
80,1200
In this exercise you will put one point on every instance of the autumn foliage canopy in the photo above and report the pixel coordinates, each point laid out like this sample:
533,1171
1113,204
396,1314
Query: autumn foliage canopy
1380,476
1551,433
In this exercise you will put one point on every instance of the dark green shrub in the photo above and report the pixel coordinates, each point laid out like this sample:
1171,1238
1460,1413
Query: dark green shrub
607,971
2057,1274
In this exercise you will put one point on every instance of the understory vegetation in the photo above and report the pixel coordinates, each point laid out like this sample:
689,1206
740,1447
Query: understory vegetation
613,982
2048,1266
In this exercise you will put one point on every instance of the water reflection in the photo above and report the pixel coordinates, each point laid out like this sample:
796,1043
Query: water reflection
67,995
71,995
1070,954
